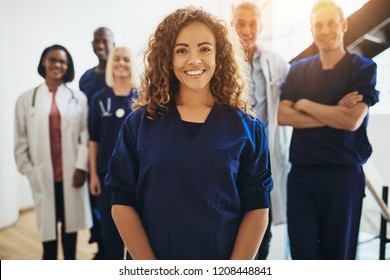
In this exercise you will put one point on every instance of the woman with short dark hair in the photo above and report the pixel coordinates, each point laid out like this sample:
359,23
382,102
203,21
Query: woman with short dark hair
51,150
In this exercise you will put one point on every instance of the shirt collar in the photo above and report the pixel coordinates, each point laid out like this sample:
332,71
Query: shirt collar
257,52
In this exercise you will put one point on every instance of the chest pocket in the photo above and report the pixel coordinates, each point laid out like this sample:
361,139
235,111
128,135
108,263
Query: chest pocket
73,112
224,172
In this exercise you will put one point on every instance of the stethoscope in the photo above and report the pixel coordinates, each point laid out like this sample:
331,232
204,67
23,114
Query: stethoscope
72,98
106,112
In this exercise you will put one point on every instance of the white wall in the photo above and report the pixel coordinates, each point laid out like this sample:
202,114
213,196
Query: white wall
379,135
8,186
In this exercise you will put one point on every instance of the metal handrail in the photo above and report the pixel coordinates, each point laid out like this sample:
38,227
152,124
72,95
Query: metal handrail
382,205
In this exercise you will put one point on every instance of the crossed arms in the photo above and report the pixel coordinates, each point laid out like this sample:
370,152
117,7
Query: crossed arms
348,114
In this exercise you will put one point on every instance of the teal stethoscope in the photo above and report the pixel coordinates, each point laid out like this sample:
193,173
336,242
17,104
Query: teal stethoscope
106,111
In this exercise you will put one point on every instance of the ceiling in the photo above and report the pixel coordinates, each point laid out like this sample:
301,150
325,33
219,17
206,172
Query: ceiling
368,31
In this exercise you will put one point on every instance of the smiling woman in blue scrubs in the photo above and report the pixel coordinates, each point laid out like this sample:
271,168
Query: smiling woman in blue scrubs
107,112
190,174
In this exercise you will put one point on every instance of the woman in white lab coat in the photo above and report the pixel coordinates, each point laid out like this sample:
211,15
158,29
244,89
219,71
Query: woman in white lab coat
51,138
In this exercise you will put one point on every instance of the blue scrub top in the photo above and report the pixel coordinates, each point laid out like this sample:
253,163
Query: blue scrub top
104,127
191,194
91,82
326,145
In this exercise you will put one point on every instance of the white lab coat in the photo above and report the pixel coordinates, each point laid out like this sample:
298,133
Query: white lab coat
33,155
275,71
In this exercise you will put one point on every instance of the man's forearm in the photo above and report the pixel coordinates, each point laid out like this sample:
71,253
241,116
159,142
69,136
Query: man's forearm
288,115
335,116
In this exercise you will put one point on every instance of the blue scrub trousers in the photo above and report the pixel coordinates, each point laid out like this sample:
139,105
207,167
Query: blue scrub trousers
324,205
111,240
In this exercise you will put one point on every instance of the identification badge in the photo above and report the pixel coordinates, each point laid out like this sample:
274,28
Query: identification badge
120,113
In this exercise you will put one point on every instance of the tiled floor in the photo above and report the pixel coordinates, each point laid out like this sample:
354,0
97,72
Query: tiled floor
15,240
368,248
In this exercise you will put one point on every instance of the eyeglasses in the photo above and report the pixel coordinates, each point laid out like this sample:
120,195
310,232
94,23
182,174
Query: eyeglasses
57,60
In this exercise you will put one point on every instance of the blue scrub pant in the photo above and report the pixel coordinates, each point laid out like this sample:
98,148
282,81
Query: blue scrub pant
111,240
324,205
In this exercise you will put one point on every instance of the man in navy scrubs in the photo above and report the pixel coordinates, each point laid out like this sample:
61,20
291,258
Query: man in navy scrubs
92,81
326,99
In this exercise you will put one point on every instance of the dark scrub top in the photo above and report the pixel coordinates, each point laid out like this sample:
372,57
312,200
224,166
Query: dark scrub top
103,126
91,82
191,194
326,145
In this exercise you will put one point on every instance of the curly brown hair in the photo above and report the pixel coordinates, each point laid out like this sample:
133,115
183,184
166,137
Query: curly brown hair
159,84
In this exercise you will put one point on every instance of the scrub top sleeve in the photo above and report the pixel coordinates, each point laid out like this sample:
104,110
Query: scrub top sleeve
94,119
254,180
287,88
364,82
122,174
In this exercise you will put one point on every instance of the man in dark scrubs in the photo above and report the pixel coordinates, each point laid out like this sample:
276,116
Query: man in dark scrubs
326,99
94,79
91,82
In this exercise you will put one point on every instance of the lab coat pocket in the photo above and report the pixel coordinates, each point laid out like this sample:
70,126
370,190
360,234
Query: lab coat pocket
33,180
73,113
35,183
74,120
32,112
224,171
